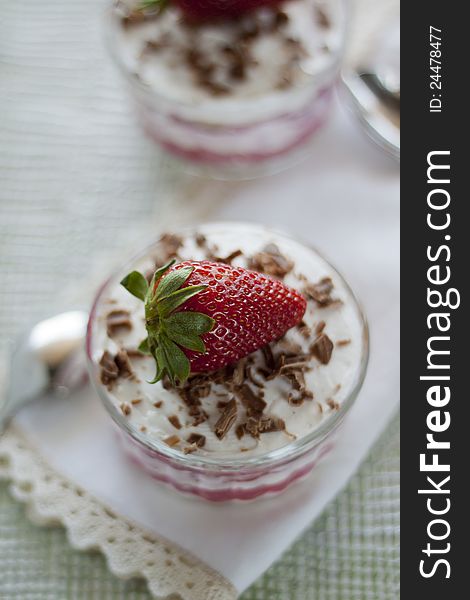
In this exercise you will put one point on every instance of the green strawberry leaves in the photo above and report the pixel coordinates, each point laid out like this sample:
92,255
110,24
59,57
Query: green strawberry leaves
172,282
169,331
176,299
144,347
185,329
153,4
136,284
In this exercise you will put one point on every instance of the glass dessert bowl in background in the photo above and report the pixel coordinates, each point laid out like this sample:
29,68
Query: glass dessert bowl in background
233,98
251,428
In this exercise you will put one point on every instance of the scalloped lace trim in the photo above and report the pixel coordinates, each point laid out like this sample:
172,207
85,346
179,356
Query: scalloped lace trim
130,550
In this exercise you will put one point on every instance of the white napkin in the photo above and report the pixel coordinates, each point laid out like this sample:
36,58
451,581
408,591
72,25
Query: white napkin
344,200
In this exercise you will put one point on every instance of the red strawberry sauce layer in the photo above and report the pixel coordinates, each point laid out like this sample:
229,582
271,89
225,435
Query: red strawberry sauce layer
295,129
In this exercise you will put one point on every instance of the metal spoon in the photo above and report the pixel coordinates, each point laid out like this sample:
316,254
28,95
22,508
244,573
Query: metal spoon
376,105
49,358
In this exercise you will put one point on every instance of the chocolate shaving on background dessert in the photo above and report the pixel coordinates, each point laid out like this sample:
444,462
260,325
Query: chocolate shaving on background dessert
322,18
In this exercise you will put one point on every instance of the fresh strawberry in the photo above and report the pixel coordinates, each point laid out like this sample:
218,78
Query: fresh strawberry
202,315
209,10
206,10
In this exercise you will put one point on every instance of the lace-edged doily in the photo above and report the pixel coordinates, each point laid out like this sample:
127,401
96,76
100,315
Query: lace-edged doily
130,550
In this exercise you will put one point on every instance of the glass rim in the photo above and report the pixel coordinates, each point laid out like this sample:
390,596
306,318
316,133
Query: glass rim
286,453
110,25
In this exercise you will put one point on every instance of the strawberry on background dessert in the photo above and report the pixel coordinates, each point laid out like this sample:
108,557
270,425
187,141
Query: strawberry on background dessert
207,10
227,341
229,82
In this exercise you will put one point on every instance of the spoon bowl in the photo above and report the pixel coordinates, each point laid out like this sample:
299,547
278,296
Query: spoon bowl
49,357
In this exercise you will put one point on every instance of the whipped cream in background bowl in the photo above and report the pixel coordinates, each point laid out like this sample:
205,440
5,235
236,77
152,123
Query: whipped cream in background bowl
234,98
252,428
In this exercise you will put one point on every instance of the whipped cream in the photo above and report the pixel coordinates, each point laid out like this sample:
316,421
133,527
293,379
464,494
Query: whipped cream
220,62
162,415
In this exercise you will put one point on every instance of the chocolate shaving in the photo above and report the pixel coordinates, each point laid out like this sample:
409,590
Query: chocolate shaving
269,359
322,18
170,243
250,374
264,424
238,376
172,440
136,401
271,424
296,361
197,439
109,371
321,292
254,404
123,364
296,377
228,259
295,399
113,367
201,417
320,327
304,329
333,404
126,409
280,19
322,348
175,421
271,261
343,342
116,321
200,239
191,392
158,404
226,419
240,431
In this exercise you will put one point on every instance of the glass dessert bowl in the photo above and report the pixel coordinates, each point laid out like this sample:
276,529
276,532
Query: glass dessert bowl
233,98
253,427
